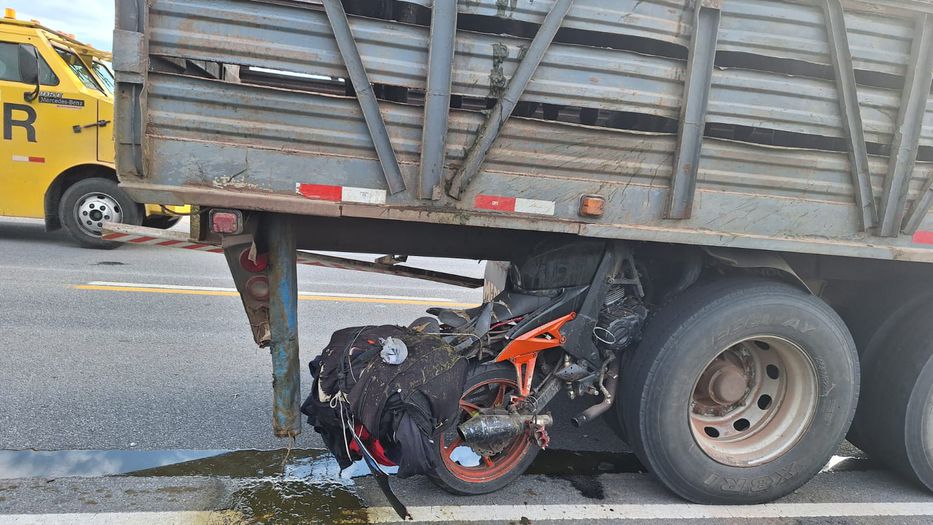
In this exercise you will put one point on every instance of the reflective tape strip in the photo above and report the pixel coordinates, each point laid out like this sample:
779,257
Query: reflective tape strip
326,192
534,206
155,241
490,202
23,158
514,205
923,237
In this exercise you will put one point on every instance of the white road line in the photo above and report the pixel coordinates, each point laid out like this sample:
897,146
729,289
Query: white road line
221,289
684,511
125,518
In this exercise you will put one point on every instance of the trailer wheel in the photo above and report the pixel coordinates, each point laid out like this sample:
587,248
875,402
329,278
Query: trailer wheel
740,391
461,471
894,420
89,203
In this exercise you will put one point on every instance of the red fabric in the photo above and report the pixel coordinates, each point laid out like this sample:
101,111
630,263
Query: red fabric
373,445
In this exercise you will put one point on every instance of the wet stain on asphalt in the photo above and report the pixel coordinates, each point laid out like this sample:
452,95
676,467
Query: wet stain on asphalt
299,486
588,486
301,463
240,464
287,502
279,486
557,463
581,469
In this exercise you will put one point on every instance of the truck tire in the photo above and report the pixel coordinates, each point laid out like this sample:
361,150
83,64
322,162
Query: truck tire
88,203
458,469
876,347
894,421
740,391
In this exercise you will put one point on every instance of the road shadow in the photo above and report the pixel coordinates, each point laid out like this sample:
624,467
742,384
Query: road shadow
33,231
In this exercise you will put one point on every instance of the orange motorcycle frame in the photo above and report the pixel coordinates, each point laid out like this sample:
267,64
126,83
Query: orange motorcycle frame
523,351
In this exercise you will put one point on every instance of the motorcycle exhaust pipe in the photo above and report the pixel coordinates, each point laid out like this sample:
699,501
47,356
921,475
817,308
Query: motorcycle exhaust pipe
609,398
490,434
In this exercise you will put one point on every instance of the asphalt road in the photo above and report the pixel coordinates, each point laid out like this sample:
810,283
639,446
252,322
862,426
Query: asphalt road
140,360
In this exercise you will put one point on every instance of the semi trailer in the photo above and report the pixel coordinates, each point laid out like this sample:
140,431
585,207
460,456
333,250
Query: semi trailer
716,213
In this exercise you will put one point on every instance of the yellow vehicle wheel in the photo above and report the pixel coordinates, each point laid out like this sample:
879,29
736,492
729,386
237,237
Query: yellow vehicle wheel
90,203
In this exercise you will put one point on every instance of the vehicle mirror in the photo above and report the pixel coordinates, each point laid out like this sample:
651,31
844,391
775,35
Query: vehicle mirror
29,69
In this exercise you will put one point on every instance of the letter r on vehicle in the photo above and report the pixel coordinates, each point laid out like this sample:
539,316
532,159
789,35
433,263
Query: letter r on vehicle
27,123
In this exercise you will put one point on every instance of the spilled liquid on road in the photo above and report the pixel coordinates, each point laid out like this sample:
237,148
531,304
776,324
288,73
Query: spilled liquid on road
287,502
311,464
299,486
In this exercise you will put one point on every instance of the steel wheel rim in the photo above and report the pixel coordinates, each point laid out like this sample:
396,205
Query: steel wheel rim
754,401
92,210
489,468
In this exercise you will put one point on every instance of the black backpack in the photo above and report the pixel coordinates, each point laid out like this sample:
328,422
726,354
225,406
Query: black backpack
403,406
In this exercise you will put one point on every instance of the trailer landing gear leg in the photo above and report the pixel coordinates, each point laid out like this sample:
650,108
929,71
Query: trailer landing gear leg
283,321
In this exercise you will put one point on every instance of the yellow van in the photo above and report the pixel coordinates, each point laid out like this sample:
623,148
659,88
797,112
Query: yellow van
56,147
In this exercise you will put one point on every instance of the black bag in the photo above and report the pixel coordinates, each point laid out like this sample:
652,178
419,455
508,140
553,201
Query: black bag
390,401
335,372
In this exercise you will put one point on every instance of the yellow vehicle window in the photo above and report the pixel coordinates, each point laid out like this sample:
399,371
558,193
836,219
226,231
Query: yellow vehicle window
104,75
9,65
80,70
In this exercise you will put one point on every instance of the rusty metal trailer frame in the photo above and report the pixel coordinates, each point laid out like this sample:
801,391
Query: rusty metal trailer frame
166,156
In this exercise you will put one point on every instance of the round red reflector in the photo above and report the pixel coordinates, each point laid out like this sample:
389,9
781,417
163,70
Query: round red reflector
260,265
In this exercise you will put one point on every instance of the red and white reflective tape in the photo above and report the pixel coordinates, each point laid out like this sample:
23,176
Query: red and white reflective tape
324,192
923,237
515,205
155,241
25,158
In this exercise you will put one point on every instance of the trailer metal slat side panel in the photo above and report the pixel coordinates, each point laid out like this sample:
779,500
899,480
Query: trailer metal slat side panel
761,27
300,40
214,134
203,110
213,140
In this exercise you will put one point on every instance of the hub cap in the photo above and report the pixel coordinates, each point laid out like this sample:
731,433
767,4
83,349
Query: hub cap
94,209
752,403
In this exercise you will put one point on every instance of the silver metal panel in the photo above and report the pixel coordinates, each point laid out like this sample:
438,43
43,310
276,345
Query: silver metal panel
488,133
761,27
437,97
693,111
131,64
213,142
230,134
364,94
851,112
914,100
920,208
300,40
130,33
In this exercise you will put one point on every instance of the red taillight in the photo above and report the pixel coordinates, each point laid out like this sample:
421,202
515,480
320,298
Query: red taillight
228,222
257,266
258,288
